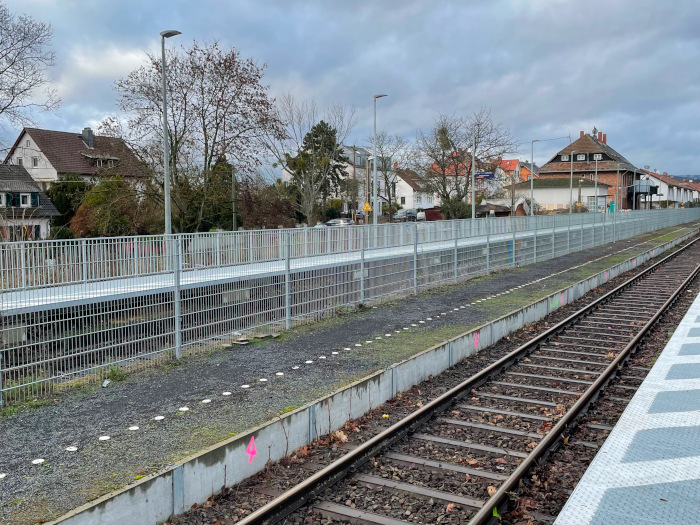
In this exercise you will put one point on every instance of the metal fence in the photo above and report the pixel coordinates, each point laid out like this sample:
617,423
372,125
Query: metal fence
79,310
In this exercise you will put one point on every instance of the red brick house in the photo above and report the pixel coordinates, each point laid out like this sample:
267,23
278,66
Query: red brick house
583,153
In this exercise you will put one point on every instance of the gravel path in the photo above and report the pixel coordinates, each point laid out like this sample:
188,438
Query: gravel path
65,480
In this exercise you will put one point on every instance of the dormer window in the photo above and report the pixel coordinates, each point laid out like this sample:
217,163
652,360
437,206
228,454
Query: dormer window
19,161
25,200
35,162
564,158
581,157
597,156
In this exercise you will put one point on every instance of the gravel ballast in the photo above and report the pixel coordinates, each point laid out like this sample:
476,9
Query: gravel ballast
65,480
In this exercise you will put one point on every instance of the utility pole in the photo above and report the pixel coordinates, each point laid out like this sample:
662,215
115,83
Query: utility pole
473,176
234,226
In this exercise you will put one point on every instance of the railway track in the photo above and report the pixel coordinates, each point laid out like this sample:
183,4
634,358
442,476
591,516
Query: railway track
467,450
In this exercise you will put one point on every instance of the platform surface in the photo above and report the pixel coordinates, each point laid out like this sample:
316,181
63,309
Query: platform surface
648,470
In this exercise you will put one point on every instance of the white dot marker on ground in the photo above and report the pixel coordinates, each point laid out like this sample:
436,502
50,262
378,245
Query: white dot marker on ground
263,380
245,386
183,409
429,319
368,342
71,449
421,322
457,309
462,307
103,438
226,393
3,475
397,331
279,374
405,327
346,349
206,401
358,344
378,337
414,324
308,362
38,461
295,368
472,304
322,357
159,418
387,335
334,353
443,313
133,428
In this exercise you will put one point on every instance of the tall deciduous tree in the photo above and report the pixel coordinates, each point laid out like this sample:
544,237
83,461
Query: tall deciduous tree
25,58
312,162
444,156
217,106
393,154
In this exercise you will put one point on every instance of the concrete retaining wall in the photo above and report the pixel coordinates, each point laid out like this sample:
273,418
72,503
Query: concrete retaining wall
156,497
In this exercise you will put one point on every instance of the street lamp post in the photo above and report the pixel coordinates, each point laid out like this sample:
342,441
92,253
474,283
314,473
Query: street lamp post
596,186
571,183
374,176
166,146
532,176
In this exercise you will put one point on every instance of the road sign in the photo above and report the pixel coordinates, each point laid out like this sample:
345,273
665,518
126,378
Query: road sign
367,207
484,175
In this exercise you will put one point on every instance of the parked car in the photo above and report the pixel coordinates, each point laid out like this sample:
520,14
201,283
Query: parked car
340,222
360,217
420,216
405,215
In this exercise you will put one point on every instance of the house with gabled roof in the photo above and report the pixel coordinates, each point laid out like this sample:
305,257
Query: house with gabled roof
672,192
591,154
46,154
25,211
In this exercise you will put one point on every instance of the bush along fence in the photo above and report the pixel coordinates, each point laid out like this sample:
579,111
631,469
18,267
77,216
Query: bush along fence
77,310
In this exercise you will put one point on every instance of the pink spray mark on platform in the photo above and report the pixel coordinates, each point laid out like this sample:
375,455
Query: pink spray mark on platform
606,275
250,450
476,339
561,299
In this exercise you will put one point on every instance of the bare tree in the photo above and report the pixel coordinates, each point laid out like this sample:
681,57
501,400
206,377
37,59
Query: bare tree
24,60
444,156
217,107
309,163
393,155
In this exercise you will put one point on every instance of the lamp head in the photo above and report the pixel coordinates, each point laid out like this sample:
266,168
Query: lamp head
379,96
170,32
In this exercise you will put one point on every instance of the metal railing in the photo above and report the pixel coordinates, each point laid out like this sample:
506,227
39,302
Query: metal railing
77,310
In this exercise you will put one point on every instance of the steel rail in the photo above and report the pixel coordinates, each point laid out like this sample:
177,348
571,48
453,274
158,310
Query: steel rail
308,489
551,439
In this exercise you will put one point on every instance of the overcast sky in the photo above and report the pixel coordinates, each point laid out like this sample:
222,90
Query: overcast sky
546,68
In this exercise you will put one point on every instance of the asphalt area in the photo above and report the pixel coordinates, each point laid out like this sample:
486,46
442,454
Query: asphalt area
96,440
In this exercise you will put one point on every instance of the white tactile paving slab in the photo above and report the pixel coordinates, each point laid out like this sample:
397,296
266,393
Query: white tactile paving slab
648,470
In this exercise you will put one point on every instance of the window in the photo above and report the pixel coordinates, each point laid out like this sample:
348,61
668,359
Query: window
35,162
27,143
564,158
24,200
403,201
37,231
591,202
19,161
597,156
581,157
2,200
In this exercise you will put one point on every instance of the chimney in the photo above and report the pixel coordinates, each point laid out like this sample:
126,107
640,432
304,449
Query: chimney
600,136
88,138
605,138
581,135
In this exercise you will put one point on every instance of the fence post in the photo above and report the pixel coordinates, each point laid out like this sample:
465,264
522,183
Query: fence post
454,234
218,249
581,235
513,224
251,246
23,264
177,269
362,264
136,256
306,241
415,259
83,255
287,284
534,248
554,237
568,236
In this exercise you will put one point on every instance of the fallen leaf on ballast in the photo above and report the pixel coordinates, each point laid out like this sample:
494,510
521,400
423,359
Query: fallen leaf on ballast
500,460
450,508
491,490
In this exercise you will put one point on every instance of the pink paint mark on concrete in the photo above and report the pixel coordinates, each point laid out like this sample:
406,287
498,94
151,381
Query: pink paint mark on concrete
250,450
476,339
561,299
606,275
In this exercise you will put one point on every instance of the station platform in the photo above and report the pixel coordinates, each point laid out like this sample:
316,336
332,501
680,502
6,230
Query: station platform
648,469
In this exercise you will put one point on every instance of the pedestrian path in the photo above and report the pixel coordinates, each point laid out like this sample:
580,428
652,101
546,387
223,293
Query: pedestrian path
648,469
